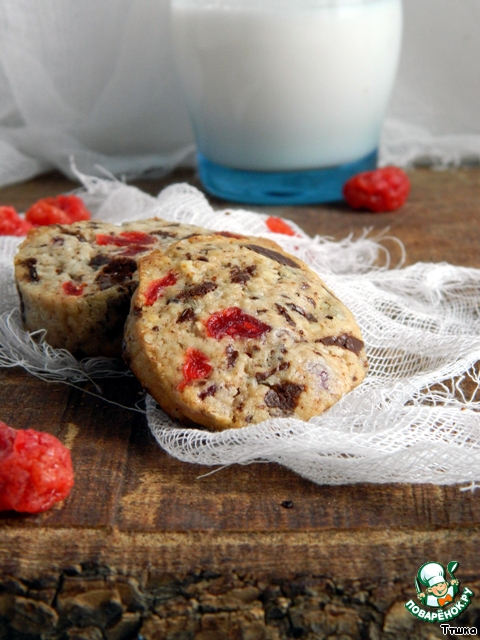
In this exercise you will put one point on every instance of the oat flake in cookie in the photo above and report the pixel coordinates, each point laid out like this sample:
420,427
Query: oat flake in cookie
76,280
228,332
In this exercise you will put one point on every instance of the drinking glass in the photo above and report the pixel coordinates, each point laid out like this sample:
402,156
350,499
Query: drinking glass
287,97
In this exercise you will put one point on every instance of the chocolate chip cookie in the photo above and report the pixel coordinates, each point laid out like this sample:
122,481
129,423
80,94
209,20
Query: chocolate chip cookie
228,332
76,281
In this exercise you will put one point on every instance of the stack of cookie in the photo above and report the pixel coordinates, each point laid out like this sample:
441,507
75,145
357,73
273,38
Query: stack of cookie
222,330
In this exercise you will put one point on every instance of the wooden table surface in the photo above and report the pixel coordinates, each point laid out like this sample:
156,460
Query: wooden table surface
145,547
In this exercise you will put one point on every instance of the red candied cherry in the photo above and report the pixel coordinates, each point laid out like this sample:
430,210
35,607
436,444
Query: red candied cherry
277,225
73,206
381,190
235,323
196,366
133,241
57,210
11,224
126,238
44,213
35,470
73,289
155,288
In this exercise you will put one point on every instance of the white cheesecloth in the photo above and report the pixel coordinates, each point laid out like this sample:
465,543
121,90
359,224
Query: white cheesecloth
415,418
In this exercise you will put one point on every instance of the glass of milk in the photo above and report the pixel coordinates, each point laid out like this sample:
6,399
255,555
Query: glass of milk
287,97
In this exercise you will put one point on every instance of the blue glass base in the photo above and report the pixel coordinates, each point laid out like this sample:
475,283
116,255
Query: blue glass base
280,187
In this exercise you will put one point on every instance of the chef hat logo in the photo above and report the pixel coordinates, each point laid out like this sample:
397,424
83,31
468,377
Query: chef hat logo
431,573
442,589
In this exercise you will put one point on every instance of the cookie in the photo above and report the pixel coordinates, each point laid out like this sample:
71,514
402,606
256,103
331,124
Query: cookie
76,281
227,332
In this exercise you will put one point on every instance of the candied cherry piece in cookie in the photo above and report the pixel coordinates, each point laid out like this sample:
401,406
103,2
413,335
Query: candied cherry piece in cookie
133,241
11,224
235,323
381,190
196,366
155,288
73,289
35,470
125,239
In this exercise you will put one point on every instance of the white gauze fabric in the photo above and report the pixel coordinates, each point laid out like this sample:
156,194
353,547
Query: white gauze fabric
97,80
433,115
415,418
91,79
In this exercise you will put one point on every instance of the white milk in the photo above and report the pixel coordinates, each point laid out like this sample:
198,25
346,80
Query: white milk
287,85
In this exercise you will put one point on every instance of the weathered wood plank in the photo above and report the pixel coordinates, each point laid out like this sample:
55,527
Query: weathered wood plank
391,553
142,489
161,494
340,562
124,479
